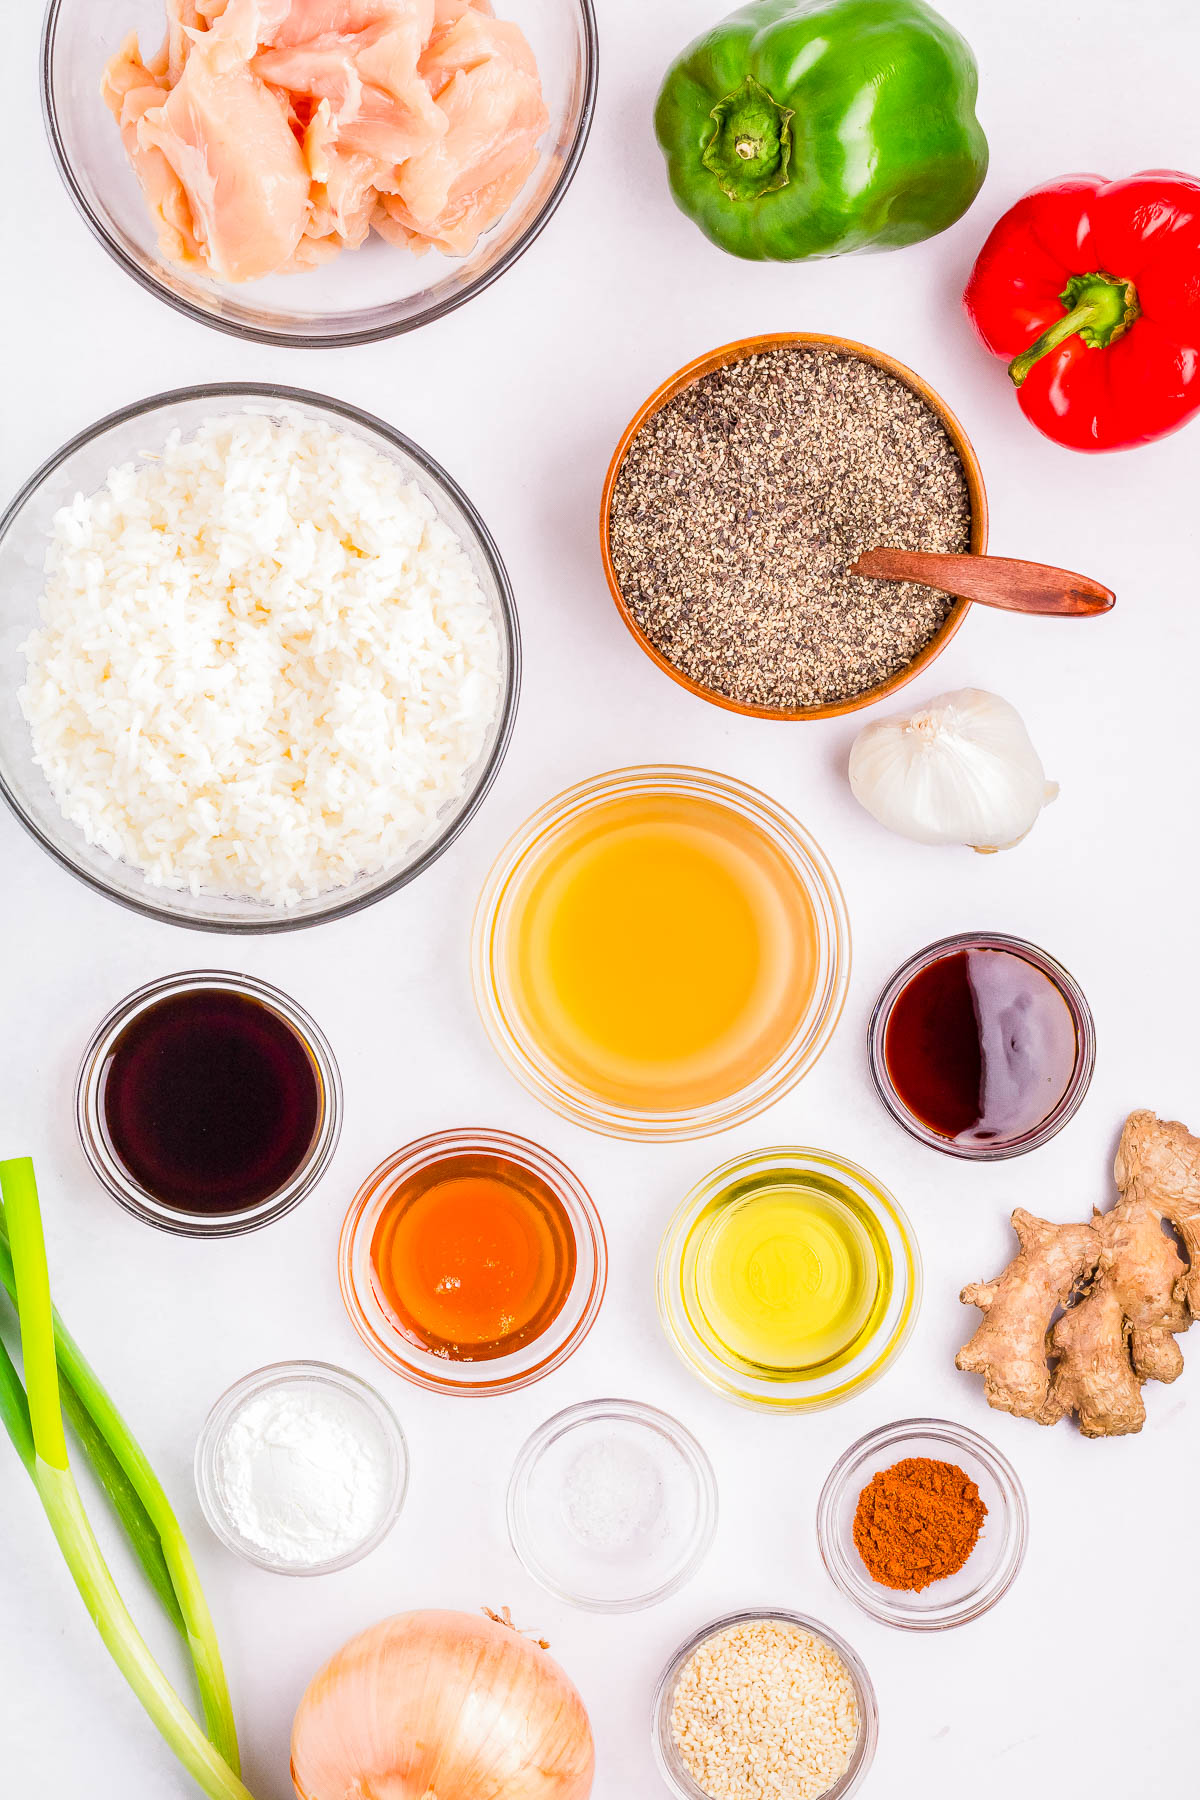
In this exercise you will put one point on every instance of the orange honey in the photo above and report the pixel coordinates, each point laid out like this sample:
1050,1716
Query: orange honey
473,1257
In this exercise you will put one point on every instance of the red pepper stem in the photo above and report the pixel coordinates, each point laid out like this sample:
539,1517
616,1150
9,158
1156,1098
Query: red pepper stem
1100,309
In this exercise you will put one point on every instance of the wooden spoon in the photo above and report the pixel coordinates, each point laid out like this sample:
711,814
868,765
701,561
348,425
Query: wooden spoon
1024,587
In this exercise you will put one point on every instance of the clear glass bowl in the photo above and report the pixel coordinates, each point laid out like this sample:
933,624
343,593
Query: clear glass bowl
362,295
799,1390
1085,1041
988,1572
670,1764
116,1178
378,1418
629,1547
82,466
496,1375
497,914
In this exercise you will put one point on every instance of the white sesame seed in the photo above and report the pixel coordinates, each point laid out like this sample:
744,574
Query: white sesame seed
765,1709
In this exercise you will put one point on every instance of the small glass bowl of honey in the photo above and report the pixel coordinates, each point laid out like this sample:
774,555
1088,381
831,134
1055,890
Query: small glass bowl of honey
660,953
789,1279
472,1262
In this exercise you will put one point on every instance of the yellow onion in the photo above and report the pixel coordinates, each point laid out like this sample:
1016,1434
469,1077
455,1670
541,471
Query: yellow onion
441,1706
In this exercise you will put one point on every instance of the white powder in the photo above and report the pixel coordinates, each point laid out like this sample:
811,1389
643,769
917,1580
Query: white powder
304,1472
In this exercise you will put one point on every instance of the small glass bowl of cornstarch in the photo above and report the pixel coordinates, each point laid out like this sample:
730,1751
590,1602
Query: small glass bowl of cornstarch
259,658
301,1468
764,1705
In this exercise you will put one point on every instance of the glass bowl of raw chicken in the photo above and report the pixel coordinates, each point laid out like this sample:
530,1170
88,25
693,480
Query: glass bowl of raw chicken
317,172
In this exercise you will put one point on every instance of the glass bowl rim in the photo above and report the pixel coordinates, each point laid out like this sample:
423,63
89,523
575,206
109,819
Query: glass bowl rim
670,1251
1082,1018
343,339
121,1186
804,855
641,1413
585,1219
868,1596
257,1381
684,1786
271,393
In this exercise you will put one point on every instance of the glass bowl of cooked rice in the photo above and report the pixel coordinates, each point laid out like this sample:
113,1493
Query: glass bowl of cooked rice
297,164
259,658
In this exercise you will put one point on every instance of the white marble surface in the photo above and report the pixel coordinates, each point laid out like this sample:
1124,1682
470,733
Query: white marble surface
1081,1680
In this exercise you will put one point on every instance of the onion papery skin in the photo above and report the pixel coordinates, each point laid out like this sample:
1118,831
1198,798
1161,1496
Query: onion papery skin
441,1706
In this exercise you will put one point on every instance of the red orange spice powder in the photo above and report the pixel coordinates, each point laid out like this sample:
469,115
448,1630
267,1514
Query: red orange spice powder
917,1522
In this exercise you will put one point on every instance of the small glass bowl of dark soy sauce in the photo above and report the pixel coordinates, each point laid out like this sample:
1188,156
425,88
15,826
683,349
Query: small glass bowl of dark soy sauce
208,1103
982,1046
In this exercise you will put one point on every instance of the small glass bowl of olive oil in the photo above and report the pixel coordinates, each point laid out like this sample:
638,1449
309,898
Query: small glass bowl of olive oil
789,1279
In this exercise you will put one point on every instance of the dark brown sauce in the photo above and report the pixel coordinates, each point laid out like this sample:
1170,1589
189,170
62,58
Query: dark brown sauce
211,1101
980,1046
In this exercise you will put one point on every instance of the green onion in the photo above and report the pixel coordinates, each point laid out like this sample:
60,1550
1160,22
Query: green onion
139,1527
184,1579
34,1421
122,1495
14,1409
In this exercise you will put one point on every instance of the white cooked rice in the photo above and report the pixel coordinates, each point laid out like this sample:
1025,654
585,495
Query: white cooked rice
265,665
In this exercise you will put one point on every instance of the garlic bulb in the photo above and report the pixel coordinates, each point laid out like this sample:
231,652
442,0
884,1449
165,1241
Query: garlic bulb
961,770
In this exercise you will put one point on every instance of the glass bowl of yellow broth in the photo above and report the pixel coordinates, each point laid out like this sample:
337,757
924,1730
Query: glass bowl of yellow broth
789,1279
661,952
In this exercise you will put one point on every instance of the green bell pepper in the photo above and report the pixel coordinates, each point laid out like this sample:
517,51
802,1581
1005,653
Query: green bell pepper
803,128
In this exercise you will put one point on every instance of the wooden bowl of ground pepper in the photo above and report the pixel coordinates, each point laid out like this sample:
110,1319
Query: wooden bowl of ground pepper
741,492
923,1524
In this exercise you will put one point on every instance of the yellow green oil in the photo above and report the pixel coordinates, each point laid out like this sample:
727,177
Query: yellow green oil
785,1273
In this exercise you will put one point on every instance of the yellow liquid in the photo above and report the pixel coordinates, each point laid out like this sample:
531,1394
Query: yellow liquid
662,951
785,1273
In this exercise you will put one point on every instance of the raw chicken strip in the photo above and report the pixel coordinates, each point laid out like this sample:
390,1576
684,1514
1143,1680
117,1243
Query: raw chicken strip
309,19
342,200
228,141
459,227
474,38
130,92
183,18
494,114
269,135
379,104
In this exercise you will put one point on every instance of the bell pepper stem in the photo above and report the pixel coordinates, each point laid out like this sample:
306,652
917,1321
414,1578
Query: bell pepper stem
749,149
1100,309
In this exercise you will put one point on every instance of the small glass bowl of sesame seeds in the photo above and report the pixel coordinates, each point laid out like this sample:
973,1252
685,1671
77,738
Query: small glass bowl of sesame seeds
764,1703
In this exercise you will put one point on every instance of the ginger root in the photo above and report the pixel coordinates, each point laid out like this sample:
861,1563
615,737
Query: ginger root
1009,1349
1085,1314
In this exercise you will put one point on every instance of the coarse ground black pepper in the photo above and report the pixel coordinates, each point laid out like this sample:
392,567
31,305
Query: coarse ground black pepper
741,504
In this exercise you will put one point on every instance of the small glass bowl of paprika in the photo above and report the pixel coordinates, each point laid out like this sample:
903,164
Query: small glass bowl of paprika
991,1565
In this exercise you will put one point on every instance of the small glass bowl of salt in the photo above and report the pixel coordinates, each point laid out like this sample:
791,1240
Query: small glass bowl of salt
612,1505
301,1468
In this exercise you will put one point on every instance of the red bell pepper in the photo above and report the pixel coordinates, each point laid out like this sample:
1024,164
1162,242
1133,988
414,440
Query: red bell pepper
1092,289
